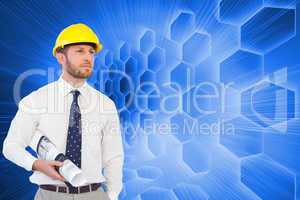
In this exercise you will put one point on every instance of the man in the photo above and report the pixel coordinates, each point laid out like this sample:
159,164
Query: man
80,121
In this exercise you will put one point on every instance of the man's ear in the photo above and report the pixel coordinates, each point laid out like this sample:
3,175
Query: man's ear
60,57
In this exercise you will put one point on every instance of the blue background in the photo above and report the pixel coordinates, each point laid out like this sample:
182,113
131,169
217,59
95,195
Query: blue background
251,46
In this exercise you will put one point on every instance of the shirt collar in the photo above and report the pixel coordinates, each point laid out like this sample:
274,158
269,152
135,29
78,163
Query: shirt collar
65,88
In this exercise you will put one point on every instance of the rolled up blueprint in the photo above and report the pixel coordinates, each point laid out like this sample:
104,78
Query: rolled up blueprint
46,150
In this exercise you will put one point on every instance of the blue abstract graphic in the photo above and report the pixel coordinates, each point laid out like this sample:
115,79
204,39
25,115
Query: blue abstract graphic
207,91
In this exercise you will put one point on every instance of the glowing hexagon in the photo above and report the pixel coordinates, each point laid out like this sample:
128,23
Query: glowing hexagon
238,11
156,144
267,179
108,58
149,172
203,99
125,115
182,75
147,81
197,48
116,70
129,174
129,134
190,191
108,87
146,122
131,69
170,99
279,3
268,104
242,137
199,163
225,39
141,61
158,193
172,50
241,69
125,85
141,100
154,101
147,41
130,101
182,26
263,37
181,124
118,98
277,145
124,52
156,59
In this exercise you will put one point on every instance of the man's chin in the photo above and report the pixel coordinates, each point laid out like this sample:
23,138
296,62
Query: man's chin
82,76
85,76
86,73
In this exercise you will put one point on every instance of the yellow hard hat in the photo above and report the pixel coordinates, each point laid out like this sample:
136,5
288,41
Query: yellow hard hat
76,33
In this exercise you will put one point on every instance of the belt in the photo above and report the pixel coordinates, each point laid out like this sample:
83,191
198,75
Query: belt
72,190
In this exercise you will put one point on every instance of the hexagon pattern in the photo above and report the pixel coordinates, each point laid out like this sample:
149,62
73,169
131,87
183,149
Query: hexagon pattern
271,176
182,26
268,104
191,83
238,11
243,142
207,94
263,37
196,48
238,70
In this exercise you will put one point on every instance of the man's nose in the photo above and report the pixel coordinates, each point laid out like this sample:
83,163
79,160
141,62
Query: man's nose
88,57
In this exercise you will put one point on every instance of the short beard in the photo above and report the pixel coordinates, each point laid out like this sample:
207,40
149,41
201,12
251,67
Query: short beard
76,73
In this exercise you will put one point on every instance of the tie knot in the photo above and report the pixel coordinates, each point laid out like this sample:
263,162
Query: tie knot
75,94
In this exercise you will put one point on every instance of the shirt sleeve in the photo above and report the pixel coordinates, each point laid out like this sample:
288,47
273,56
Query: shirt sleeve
112,154
19,135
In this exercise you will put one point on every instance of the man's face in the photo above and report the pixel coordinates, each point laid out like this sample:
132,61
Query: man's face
79,60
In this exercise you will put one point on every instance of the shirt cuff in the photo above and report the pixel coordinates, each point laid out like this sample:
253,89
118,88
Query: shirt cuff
28,162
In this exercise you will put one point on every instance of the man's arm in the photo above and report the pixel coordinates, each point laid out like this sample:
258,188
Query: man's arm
19,135
112,154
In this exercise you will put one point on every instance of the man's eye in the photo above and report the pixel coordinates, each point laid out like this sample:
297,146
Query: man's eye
80,51
92,52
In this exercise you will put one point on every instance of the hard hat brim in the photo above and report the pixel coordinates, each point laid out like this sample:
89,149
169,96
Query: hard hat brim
96,46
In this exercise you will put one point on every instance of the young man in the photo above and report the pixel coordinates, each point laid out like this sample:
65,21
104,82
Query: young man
78,120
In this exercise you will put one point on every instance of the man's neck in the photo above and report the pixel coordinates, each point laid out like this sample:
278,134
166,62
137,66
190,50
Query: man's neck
75,82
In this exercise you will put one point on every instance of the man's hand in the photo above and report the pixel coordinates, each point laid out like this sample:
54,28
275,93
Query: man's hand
48,168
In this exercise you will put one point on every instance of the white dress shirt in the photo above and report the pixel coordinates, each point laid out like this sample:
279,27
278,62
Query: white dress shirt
46,112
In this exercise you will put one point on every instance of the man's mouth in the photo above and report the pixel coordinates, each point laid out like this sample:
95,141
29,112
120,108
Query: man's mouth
86,66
